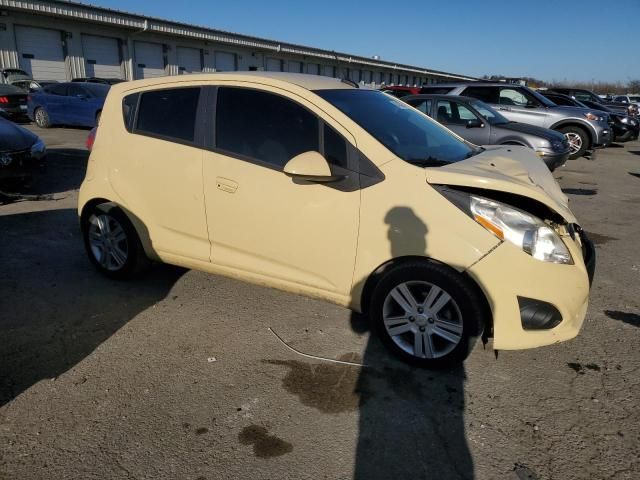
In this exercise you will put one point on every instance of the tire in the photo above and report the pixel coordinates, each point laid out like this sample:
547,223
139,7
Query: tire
439,336
41,118
579,141
112,243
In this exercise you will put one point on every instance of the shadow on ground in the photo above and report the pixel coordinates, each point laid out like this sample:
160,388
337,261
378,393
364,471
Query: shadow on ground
55,309
626,317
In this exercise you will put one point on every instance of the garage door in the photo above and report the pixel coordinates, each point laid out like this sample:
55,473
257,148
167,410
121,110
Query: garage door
295,67
149,60
328,71
189,60
40,52
274,65
225,62
101,56
313,68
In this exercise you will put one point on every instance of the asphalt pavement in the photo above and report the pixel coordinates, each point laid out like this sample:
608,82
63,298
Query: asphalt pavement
185,375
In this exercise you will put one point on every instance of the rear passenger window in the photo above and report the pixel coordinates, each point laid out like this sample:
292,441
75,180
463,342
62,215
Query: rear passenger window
486,94
423,105
169,113
263,126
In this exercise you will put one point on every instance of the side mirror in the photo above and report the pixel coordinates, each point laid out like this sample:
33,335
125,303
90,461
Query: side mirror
475,123
310,166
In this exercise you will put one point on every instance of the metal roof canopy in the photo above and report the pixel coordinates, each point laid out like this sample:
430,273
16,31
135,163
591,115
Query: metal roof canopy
107,16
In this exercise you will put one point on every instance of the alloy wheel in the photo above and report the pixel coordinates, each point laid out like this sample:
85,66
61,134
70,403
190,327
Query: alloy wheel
422,319
575,142
108,242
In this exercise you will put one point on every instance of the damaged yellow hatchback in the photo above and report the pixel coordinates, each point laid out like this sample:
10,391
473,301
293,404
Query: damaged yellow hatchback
312,185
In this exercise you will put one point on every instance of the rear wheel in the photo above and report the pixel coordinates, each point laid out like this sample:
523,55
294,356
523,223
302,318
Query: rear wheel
428,314
112,243
41,118
579,141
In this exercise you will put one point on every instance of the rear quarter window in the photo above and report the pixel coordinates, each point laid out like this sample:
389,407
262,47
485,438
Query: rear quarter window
168,114
129,107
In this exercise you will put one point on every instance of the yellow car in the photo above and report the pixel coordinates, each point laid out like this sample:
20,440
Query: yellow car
314,186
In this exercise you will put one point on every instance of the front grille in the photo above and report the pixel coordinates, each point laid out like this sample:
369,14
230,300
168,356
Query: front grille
18,160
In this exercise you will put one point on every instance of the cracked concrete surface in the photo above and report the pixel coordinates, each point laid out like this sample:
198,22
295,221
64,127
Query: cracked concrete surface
104,380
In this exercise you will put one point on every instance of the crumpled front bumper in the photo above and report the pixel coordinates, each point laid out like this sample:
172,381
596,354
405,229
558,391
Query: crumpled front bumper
507,274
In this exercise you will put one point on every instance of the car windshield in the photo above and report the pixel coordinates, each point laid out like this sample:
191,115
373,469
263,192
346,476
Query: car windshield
408,133
488,113
541,98
97,89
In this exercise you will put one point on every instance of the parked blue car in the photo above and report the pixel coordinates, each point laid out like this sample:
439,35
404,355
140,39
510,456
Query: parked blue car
68,103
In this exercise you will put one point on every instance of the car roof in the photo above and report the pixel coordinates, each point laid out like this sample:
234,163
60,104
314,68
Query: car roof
475,84
460,98
306,81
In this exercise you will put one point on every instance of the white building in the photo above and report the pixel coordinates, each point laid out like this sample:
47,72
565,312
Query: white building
61,40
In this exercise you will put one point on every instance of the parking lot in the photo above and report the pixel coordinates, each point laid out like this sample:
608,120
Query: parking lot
180,374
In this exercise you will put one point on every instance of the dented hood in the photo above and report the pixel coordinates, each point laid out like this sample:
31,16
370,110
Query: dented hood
510,169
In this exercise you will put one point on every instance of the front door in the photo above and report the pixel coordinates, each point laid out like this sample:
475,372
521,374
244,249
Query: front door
261,221
518,105
456,116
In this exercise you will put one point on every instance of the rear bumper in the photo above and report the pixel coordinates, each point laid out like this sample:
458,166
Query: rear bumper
565,288
14,112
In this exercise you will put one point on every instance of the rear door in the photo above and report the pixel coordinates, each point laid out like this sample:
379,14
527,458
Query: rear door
264,223
162,150
82,105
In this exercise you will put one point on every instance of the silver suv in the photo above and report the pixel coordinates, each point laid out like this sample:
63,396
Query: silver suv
584,128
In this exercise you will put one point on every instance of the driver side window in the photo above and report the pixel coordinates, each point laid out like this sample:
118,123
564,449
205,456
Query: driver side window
517,98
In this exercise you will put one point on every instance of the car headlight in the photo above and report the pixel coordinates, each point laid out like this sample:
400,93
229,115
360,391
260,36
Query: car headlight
523,230
38,149
593,117
624,120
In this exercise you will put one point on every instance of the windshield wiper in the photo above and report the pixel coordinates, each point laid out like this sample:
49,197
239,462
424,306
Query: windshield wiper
427,162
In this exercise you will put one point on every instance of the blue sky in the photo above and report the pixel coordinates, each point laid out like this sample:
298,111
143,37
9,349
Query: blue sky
562,39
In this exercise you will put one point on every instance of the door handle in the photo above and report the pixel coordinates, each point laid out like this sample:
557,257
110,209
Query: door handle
226,185
506,109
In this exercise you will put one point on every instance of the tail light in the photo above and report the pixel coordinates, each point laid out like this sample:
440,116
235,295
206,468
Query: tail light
4,100
91,138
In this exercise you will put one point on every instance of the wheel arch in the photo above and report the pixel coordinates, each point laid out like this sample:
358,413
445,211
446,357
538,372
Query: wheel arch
375,277
138,225
576,123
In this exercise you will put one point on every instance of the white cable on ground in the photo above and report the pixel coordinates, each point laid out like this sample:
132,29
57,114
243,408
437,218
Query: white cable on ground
314,356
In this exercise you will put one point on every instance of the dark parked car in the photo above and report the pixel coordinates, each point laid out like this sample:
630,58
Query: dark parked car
582,94
624,127
21,151
105,81
13,102
68,103
480,124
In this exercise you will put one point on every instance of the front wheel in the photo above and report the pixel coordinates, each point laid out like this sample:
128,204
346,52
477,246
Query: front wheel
428,314
578,141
